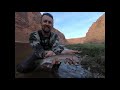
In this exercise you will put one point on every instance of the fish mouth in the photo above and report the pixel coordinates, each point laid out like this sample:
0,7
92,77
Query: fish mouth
49,67
46,66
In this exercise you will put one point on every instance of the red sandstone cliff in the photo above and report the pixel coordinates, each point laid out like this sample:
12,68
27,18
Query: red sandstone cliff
96,32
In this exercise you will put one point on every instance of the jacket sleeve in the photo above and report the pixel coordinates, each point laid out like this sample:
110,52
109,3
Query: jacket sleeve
57,48
34,41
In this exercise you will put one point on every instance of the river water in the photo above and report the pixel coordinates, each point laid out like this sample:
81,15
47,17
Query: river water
22,50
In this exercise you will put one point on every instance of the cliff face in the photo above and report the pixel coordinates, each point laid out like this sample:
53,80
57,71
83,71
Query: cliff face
96,32
27,22
76,40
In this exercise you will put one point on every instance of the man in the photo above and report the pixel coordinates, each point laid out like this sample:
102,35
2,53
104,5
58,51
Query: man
44,43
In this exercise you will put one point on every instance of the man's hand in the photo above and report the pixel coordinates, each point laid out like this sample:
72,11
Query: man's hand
49,53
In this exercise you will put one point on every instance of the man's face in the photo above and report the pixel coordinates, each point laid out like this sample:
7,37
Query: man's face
47,23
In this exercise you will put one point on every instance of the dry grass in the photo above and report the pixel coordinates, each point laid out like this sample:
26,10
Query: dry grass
92,57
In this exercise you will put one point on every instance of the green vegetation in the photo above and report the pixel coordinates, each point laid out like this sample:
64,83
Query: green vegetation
92,57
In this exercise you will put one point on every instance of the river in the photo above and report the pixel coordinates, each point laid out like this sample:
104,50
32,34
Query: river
22,50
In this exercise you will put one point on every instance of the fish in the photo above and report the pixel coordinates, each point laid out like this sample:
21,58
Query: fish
64,66
61,66
48,63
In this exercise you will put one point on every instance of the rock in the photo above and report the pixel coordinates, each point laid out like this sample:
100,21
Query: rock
76,40
66,70
96,32
25,23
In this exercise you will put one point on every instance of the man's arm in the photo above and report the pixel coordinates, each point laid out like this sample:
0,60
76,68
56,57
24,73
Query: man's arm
35,43
57,48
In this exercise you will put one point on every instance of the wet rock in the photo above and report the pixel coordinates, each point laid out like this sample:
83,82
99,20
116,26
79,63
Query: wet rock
66,70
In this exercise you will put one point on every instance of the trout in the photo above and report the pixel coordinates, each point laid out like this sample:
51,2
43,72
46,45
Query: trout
46,64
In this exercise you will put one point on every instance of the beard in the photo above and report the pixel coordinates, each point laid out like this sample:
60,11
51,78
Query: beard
46,29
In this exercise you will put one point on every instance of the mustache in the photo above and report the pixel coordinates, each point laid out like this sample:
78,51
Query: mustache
46,26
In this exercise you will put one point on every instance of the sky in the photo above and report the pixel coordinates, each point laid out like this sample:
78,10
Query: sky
74,24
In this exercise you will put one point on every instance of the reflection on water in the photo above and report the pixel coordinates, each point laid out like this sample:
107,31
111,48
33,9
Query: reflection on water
22,50
40,74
